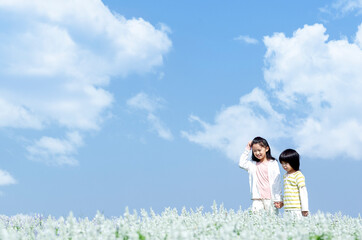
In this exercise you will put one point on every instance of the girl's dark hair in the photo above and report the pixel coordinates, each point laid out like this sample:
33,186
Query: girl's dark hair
290,156
262,142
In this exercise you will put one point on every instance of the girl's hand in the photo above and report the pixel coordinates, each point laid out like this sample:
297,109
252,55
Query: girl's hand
305,213
278,204
248,146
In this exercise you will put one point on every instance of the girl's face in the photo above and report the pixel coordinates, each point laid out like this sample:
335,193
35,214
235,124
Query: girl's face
287,167
259,151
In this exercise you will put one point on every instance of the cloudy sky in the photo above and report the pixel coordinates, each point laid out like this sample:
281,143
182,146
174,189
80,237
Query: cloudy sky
149,104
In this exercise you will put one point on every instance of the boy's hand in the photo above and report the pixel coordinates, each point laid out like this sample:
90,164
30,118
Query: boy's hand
305,213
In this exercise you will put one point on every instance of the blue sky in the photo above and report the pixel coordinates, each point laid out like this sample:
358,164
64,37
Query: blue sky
148,104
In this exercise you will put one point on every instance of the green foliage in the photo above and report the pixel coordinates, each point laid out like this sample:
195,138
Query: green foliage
140,236
320,237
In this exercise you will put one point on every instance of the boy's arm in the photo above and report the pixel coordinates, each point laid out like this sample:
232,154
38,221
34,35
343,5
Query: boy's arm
304,198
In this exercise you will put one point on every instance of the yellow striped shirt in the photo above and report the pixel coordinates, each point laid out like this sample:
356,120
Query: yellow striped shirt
292,184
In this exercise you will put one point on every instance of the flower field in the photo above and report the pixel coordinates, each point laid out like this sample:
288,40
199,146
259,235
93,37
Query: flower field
187,224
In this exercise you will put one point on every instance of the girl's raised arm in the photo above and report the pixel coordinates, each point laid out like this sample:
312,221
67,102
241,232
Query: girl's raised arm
244,162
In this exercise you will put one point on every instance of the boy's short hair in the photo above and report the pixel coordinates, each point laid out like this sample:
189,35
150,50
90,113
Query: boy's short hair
290,156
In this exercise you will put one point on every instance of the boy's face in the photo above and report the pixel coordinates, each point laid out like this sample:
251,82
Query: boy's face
287,167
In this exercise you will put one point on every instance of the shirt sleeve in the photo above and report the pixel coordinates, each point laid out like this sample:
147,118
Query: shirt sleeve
244,162
300,180
304,198
277,186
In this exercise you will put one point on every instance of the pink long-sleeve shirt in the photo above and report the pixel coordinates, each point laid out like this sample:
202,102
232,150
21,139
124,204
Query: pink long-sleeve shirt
262,181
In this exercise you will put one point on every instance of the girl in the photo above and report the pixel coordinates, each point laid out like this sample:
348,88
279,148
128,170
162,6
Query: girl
295,191
264,176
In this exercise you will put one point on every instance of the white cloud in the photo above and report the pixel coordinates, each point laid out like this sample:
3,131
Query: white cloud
322,79
238,124
314,87
358,38
142,101
6,178
57,57
54,151
342,7
150,105
346,6
159,127
17,116
246,39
